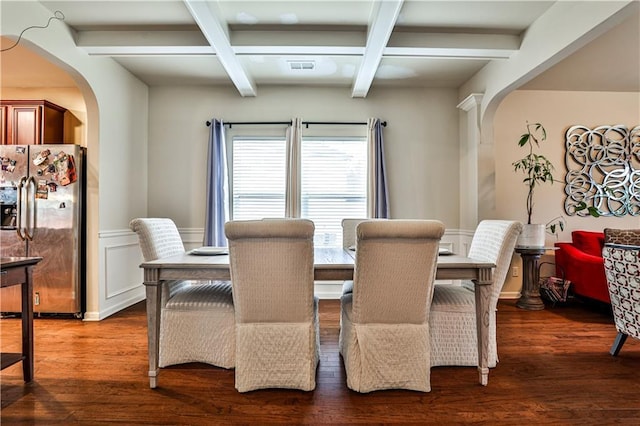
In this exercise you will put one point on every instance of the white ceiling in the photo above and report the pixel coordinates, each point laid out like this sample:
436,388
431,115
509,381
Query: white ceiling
357,44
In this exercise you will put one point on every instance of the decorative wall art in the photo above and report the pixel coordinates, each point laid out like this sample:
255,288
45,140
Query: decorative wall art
603,170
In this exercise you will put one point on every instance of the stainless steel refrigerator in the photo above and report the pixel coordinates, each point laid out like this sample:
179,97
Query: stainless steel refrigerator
42,191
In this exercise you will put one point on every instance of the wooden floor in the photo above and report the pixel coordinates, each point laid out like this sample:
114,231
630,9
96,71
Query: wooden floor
554,369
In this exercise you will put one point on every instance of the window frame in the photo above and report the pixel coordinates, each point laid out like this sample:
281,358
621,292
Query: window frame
304,139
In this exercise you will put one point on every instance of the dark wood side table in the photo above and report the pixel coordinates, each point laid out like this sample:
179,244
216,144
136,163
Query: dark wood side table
18,271
530,297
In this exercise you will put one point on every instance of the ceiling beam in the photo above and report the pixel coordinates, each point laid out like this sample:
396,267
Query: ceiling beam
452,45
380,29
113,50
217,37
300,50
299,37
143,43
296,43
448,53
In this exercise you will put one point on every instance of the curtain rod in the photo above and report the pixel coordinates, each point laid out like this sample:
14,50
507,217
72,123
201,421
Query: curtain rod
348,123
306,123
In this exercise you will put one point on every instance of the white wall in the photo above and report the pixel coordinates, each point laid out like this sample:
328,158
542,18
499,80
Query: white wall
421,142
421,147
557,111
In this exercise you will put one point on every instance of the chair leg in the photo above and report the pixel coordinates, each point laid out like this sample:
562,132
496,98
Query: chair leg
617,344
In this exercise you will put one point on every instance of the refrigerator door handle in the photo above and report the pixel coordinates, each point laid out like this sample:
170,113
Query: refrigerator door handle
31,208
19,228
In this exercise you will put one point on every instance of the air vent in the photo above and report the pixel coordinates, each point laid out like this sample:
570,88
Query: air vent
302,65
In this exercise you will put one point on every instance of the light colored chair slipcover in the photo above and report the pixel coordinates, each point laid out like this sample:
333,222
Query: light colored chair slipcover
197,321
277,334
349,240
454,339
384,328
349,231
622,269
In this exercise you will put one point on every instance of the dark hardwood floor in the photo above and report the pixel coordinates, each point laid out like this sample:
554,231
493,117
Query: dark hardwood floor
554,368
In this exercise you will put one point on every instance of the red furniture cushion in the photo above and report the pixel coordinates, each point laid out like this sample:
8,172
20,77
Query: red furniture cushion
588,242
581,263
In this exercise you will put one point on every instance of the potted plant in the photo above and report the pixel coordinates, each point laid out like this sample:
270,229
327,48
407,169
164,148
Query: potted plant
538,170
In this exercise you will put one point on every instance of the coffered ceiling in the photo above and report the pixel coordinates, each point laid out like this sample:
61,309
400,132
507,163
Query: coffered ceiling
357,44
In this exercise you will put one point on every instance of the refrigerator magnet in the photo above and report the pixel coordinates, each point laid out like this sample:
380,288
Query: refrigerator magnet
42,191
67,171
41,157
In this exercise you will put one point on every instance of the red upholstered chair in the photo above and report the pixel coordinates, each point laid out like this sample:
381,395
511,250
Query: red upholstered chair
581,263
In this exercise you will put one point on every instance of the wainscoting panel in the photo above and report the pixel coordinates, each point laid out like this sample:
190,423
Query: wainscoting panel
121,278
192,237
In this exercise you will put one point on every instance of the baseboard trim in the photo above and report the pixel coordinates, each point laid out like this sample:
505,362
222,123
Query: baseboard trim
115,308
509,295
328,289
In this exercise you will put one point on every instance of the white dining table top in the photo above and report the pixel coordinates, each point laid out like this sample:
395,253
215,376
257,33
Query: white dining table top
323,258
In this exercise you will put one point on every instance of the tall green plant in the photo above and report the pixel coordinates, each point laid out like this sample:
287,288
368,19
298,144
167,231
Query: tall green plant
536,167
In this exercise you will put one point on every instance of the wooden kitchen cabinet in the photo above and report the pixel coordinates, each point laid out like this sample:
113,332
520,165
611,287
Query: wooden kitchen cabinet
31,122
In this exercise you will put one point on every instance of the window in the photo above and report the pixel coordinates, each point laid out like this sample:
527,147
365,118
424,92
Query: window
333,182
258,178
333,185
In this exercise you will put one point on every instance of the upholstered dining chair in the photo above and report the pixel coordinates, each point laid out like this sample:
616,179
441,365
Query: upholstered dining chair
384,325
277,328
349,232
453,310
197,322
349,243
622,269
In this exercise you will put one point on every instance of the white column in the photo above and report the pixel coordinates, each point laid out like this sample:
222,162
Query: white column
469,143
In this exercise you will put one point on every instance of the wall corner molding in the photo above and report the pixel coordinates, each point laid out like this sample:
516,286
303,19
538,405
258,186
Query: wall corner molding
472,101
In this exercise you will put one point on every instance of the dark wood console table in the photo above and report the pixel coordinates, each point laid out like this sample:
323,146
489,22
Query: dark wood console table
530,297
18,271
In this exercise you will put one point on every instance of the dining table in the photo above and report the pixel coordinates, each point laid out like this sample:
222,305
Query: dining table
19,271
330,264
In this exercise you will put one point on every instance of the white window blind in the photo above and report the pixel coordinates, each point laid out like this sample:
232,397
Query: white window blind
258,178
333,185
333,182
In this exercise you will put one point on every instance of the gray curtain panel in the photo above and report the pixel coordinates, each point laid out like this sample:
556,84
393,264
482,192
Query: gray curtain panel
217,210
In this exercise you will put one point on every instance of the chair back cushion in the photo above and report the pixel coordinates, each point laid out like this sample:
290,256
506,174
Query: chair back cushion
349,232
394,271
629,237
271,264
159,237
622,268
494,241
588,241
